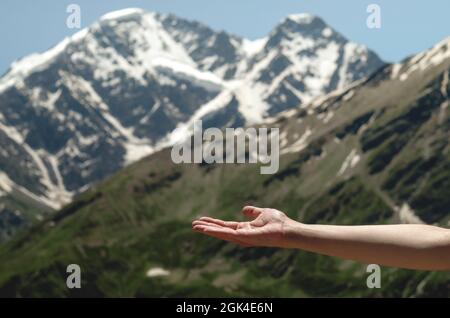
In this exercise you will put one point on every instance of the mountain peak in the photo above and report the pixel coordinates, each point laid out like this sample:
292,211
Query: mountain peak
443,45
123,13
301,18
305,24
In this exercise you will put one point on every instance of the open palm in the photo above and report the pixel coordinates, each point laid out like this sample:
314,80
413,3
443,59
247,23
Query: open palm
268,228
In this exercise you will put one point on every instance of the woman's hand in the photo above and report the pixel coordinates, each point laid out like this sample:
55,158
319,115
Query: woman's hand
269,227
413,246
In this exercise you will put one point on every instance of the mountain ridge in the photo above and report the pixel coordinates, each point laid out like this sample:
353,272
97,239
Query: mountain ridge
63,120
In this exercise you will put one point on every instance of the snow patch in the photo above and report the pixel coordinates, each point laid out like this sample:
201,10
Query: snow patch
300,144
188,71
251,47
395,71
444,84
251,105
329,115
157,272
434,56
407,215
121,14
184,130
136,151
350,162
301,18
5,183
327,32
348,96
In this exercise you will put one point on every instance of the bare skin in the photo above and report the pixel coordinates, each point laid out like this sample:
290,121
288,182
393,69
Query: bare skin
412,246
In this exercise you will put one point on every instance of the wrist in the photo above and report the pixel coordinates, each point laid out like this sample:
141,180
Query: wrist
294,234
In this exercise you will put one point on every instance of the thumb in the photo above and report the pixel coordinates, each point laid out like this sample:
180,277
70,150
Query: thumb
251,211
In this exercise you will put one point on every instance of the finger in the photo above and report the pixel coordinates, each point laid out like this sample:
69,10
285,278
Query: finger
217,230
225,237
230,224
197,222
258,222
251,211
222,237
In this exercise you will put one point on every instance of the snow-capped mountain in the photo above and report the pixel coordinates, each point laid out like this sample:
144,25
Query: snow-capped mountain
134,81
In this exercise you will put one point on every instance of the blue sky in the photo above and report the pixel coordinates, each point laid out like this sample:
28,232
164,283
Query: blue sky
408,26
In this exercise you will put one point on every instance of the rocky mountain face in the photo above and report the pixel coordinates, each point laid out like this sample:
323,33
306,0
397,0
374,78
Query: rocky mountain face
120,89
374,152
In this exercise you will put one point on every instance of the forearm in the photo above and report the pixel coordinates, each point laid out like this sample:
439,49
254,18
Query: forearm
421,247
